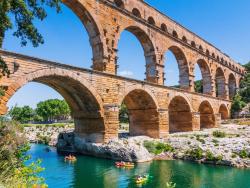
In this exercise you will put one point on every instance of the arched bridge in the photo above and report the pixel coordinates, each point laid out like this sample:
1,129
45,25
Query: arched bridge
95,96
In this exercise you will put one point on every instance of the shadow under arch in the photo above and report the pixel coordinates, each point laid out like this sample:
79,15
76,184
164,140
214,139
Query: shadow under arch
220,83
206,76
231,86
180,115
84,102
142,113
182,66
224,112
93,29
207,118
148,48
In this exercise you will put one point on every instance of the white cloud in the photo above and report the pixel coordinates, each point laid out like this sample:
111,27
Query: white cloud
126,73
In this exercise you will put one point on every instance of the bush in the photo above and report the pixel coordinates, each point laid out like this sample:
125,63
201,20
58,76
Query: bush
13,169
196,153
219,134
243,154
44,139
157,147
209,156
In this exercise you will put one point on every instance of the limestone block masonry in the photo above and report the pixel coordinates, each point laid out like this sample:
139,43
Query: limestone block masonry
95,96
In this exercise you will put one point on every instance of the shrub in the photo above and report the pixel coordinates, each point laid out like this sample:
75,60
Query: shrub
209,156
195,153
44,139
243,154
219,134
13,159
157,147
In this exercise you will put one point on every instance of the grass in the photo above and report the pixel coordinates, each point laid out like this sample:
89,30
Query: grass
157,147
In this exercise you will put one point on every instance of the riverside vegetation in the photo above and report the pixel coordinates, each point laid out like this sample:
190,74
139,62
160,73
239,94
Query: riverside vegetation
14,170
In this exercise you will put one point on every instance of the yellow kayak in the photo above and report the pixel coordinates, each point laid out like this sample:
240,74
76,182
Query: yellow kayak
142,180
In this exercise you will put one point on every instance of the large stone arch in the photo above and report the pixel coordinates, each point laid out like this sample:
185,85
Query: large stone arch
183,66
85,103
224,112
206,76
231,85
143,113
148,48
220,82
207,118
180,115
83,10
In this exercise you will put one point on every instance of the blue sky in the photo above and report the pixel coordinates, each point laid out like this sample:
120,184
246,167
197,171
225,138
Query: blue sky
224,23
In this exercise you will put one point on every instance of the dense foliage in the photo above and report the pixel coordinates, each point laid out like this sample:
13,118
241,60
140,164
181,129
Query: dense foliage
47,111
123,114
198,86
53,109
22,114
243,95
22,14
13,159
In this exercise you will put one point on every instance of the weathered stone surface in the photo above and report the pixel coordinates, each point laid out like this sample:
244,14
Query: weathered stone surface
117,149
95,96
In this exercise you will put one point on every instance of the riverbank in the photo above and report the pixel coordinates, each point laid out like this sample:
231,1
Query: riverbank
228,145
46,133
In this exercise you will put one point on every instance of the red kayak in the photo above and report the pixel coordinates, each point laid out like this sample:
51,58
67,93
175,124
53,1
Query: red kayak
120,164
123,164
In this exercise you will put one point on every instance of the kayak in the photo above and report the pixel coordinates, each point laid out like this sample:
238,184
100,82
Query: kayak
142,179
70,158
123,164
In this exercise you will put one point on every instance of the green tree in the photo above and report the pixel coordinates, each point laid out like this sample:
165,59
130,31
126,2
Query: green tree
123,114
243,95
53,109
198,86
245,85
22,14
22,114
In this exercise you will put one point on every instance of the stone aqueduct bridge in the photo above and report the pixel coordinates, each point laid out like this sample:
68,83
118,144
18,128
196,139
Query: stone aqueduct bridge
154,110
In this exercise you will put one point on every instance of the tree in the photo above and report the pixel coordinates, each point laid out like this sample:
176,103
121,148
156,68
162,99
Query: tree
123,114
237,104
53,109
22,14
243,95
245,85
198,86
22,114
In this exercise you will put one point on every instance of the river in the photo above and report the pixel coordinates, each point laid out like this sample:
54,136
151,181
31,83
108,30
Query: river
89,172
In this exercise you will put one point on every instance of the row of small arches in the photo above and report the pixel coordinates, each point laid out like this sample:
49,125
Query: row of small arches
151,21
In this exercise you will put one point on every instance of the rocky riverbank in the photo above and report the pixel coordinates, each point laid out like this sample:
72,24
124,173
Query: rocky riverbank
228,145
47,134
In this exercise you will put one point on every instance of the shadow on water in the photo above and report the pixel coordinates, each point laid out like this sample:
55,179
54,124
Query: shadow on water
91,172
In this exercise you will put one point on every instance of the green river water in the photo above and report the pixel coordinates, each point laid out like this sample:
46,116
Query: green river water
89,172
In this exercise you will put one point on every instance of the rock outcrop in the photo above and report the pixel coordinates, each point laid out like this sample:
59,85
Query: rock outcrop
130,149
